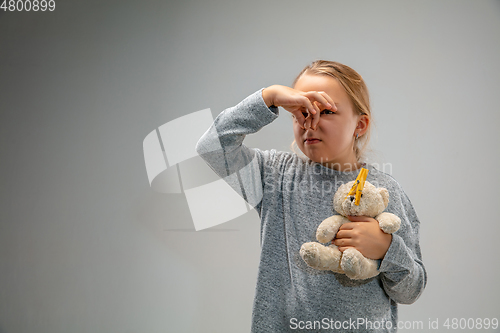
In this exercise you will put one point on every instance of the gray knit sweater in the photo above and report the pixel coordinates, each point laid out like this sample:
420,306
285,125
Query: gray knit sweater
293,196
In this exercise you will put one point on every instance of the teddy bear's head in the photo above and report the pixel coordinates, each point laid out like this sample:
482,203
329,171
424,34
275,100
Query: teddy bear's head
373,201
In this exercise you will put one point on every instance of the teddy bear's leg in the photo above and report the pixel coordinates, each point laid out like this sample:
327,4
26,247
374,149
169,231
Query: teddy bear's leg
356,266
388,222
328,228
321,257
336,256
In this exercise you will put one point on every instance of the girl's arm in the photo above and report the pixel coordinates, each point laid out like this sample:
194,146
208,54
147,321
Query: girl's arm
222,148
402,271
222,144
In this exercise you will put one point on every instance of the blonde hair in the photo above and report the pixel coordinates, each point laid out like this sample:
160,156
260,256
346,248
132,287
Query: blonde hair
355,88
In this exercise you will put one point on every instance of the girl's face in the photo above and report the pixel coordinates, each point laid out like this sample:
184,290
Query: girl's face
336,131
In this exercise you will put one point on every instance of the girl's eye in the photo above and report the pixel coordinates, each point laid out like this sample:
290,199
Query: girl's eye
327,112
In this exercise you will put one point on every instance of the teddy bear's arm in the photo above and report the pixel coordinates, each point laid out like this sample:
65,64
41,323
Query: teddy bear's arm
329,227
388,222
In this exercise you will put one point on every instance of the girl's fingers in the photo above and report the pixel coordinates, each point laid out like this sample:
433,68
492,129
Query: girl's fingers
329,100
359,219
344,234
316,117
343,248
319,95
299,118
313,118
323,99
312,110
307,123
343,242
320,100
308,105
312,102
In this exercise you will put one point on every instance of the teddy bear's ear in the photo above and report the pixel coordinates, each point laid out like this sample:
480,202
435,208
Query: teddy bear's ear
385,195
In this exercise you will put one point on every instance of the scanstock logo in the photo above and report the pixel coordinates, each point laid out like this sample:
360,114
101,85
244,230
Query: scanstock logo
174,166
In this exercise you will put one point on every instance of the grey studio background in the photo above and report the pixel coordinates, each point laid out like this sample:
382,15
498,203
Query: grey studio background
87,246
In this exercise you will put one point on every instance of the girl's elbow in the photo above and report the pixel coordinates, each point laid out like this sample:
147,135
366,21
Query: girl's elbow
412,298
408,290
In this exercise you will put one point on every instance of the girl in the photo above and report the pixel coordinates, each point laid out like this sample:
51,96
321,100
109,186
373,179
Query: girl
330,105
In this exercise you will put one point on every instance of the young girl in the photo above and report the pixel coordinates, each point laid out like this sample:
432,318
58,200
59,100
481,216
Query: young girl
330,106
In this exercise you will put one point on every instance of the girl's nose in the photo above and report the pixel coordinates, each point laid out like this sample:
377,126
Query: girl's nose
312,128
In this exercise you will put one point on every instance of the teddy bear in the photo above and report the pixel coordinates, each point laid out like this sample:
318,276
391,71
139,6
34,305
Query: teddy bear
372,202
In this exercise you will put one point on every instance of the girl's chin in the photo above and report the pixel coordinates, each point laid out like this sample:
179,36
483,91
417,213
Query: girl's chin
319,159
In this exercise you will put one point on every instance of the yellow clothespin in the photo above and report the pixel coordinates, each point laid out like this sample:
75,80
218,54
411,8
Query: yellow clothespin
359,184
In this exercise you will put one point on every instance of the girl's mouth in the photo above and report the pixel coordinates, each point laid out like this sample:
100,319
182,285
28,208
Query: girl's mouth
312,141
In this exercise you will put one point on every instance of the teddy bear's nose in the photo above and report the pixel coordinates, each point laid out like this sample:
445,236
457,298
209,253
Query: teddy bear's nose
352,198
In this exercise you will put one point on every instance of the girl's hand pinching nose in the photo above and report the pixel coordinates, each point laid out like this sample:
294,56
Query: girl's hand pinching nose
321,101
304,106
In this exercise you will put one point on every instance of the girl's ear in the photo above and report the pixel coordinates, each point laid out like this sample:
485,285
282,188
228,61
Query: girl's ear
362,125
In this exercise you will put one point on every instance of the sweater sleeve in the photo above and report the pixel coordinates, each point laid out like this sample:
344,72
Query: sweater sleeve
222,148
402,271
